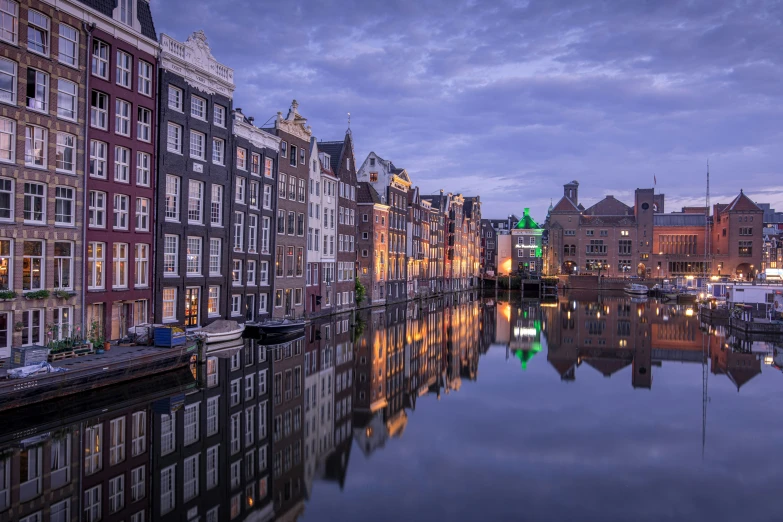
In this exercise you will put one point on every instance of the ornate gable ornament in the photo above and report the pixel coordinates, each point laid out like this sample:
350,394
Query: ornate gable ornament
294,123
254,135
193,61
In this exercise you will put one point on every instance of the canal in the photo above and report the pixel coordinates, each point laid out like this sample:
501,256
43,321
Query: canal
590,407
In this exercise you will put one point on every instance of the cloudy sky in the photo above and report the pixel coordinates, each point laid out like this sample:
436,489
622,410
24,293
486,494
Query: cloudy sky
511,99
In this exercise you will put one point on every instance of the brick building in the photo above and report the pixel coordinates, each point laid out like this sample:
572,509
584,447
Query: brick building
372,242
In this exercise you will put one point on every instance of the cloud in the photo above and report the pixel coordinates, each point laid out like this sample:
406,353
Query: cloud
511,99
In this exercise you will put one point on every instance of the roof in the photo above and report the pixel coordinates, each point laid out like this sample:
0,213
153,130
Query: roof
365,193
608,366
742,203
609,206
527,222
334,149
679,220
565,205
607,220
143,13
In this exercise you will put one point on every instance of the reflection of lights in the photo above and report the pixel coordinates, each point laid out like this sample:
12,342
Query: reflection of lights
598,315
623,343
368,432
689,278
689,312
569,314
639,312
768,360
658,311
521,331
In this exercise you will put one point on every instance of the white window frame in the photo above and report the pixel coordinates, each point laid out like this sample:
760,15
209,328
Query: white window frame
145,78
143,161
141,265
198,107
121,212
174,138
171,255
197,145
142,215
123,68
143,124
215,256
36,138
100,61
67,91
99,110
175,98
64,196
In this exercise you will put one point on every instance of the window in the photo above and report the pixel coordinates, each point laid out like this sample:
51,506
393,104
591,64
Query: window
236,304
175,98
145,78
37,32
234,425
169,304
191,423
170,251
195,201
63,265
95,261
218,151
301,191
124,64
99,110
65,156
262,307
121,204
174,141
97,209
34,203
35,146
253,194
7,80
167,489
32,265
98,159
116,493
291,223
263,273
142,265
213,301
120,266
255,164
212,415
9,22
121,164
66,99
292,159
252,233
239,222
6,277
142,169
144,124
190,478
216,209
303,160
291,188
32,327
138,434
100,59
194,256
197,141
93,448
214,256
138,479
241,158
220,115
7,140
236,272
745,248
268,166
122,117
300,225
117,441
239,190
198,107
92,504
267,202
142,214
60,512
172,198
265,226
64,206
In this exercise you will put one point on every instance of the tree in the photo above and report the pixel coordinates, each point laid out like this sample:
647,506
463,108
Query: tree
361,293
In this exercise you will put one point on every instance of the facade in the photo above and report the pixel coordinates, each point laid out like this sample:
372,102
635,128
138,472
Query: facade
527,244
392,184
121,179
314,304
489,248
193,199
414,249
41,171
290,243
471,241
343,166
372,242
437,247
252,212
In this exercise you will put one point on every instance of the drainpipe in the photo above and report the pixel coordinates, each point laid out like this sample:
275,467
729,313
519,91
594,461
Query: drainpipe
154,181
88,28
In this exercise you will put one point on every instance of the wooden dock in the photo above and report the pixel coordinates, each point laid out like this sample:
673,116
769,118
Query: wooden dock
120,364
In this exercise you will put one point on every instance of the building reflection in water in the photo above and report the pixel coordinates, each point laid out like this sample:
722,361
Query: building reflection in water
247,433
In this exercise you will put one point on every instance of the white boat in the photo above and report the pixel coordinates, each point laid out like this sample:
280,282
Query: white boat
636,289
221,331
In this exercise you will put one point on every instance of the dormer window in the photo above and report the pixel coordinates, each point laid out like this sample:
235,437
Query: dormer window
126,11
327,160
372,162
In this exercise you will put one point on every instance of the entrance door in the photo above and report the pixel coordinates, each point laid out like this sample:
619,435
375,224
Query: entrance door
288,304
250,307
191,306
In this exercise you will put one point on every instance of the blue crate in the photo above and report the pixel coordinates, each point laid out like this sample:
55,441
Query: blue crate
165,336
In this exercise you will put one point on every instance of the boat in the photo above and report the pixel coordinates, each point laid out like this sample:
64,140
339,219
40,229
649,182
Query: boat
280,327
221,331
636,289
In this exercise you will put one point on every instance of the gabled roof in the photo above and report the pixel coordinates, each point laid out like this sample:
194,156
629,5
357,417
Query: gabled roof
565,205
608,366
143,13
609,206
527,222
365,193
562,366
334,149
742,203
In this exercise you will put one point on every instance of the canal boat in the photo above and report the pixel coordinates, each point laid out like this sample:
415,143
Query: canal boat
279,327
636,289
222,331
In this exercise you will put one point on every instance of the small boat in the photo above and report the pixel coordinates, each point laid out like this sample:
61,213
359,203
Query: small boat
636,289
221,331
279,327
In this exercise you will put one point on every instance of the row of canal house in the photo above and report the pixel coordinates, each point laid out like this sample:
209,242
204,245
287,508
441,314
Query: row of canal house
133,191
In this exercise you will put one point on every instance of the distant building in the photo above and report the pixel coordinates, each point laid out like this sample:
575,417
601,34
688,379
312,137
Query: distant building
527,244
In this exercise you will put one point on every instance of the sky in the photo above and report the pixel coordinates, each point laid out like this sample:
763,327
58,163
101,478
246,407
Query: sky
511,99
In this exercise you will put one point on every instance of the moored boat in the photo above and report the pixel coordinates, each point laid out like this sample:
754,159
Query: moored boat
636,289
280,327
221,331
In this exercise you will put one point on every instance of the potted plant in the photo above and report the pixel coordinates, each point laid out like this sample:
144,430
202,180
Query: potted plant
18,326
7,295
63,294
97,338
37,294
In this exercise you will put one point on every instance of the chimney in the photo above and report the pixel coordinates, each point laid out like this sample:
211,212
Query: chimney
250,119
238,109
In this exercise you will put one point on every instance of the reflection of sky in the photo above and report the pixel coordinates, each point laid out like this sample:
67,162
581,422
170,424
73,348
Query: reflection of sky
527,446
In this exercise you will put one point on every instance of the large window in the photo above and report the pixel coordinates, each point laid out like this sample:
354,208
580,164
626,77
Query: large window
97,209
191,427
138,434
218,151
239,229
124,65
92,504
252,233
35,146
172,197
145,78
7,80
34,203
37,90
265,229
32,265
98,159
122,117
142,214
216,205
32,327
7,139
144,124
746,248
194,256
63,265
143,169
95,263
213,301
169,304
220,115
120,265
6,265
141,266
175,98
69,45
168,489
38,32
9,21
197,141
100,59
215,254
99,110
65,153
239,189
198,107
121,211
66,99
195,201
170,251
190,477
64,206
116,441
174,141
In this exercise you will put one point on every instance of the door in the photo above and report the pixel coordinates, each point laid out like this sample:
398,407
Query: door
250,307
288,304
191,306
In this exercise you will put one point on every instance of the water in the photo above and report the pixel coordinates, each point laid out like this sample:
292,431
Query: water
468,408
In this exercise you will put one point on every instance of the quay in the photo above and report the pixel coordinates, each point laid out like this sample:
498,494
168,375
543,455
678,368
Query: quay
89,372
